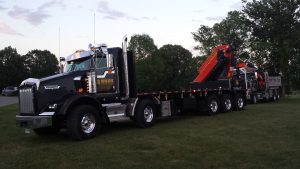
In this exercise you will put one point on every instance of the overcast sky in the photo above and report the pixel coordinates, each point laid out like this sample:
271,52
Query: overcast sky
34,24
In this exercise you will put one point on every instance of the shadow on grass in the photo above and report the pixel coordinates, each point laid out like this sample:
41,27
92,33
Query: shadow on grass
110,129
115,128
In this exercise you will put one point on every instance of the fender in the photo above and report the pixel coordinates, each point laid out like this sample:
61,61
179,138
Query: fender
78,99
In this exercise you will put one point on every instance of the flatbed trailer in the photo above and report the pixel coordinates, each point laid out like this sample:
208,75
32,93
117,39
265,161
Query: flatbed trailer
210,97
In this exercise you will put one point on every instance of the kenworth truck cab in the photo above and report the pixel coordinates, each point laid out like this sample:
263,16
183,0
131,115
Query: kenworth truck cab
98,86
92,90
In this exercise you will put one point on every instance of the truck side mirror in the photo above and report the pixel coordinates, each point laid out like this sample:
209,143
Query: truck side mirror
62,59
61,65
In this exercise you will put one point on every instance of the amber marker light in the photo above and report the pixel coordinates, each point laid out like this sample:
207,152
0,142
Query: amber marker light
80,90
109,71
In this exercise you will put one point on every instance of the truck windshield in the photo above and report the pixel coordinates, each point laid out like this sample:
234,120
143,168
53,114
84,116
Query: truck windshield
77,65
84,64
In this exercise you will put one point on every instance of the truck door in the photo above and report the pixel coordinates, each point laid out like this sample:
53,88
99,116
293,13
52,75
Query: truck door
105,75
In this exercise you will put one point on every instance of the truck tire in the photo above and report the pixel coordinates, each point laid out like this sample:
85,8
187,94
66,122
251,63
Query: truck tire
145,115
239,102
253,99
226,103
278,96
46,131
267,97
274,97
83,122
213,105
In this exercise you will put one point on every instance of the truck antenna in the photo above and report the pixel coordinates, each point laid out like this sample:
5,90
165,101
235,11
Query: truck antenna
59,41
94,28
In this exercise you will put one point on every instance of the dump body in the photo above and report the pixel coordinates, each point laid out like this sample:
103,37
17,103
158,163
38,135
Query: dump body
274,81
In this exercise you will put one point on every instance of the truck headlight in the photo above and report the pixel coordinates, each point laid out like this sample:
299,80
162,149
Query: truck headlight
52,106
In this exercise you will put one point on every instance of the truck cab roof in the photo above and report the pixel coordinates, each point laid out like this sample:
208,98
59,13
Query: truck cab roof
79,54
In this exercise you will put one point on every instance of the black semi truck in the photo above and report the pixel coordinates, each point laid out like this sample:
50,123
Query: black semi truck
98,86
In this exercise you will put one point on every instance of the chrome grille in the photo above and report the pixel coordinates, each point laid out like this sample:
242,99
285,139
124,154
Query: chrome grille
26,100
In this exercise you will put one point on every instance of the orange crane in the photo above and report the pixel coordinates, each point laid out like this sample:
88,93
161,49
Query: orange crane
217,64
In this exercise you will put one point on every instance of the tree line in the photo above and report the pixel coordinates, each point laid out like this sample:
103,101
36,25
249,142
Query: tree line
15,68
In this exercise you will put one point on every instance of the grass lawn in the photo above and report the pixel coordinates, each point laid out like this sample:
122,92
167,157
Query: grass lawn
265,135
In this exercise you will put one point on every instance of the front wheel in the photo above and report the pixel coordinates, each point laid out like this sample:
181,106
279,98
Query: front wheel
145,115
83,122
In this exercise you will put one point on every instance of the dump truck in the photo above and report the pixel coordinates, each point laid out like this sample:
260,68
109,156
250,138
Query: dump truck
259,85
98,86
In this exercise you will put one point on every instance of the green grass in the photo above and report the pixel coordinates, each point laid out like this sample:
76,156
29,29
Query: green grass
265,135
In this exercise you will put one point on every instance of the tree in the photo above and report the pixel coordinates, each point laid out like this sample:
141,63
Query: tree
41,63
142,45
207,38
177,70
232,30
169,68
275,34
11,67
149,74
146,65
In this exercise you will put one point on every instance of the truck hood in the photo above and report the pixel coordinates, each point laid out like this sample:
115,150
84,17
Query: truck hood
53,89
37,82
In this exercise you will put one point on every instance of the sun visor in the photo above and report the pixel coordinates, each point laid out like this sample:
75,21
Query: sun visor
79,54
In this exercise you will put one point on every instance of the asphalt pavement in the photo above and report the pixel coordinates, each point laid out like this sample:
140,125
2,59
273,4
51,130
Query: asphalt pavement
7,100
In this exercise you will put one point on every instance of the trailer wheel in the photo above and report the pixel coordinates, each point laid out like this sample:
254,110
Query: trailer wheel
267,97
212,105
253,98
274,97
83,122
145,115
226,103
46,131
239,102
278,96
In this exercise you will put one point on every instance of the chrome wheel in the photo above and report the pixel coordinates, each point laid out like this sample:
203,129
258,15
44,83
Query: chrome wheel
228,104
88,123
267,97
240,103
274,96
254,99
145,114
214,106
148,114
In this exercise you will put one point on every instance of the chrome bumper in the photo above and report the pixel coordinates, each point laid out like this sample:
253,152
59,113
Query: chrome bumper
33,122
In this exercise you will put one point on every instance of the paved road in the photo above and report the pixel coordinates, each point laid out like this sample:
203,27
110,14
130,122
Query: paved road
7,100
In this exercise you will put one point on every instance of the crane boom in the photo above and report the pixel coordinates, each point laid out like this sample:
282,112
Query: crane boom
216,64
